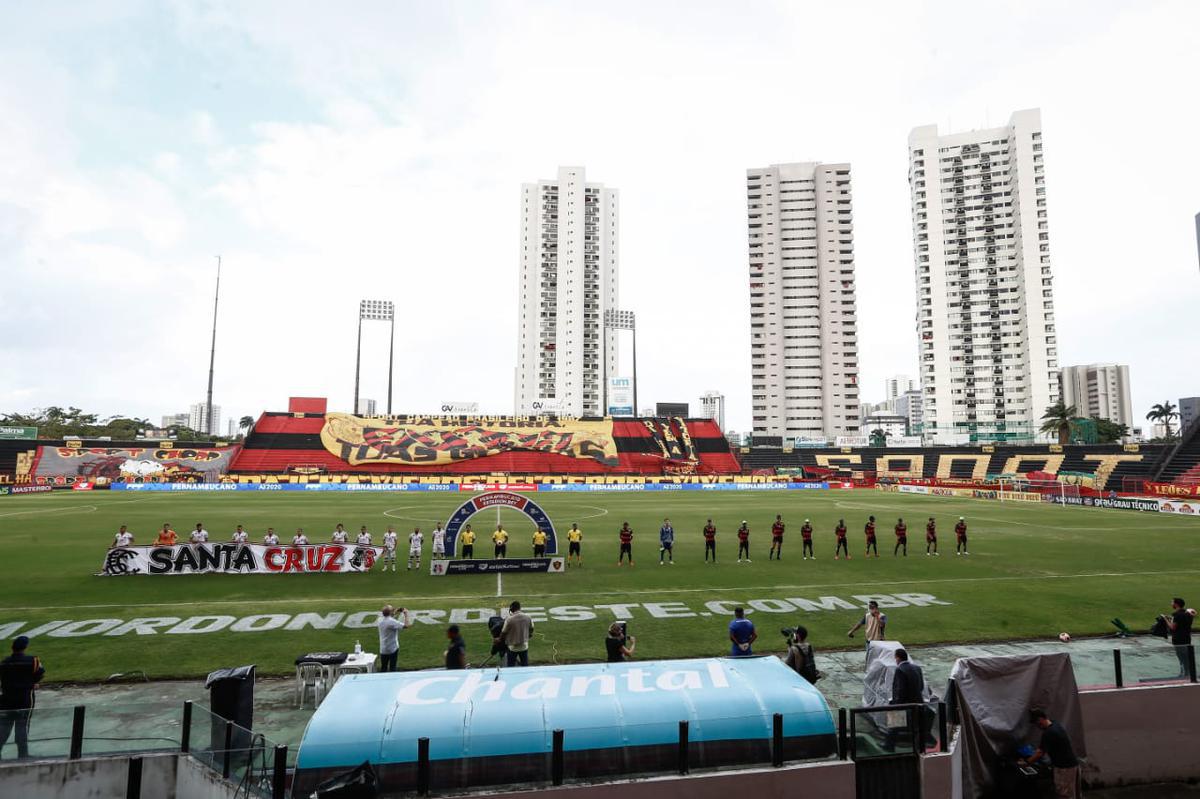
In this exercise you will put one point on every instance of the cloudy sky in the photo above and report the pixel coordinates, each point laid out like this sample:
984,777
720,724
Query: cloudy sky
330,155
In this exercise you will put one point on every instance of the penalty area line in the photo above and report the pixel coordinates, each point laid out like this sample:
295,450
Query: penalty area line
581,594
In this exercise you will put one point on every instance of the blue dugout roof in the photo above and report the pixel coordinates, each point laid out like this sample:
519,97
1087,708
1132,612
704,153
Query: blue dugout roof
481,713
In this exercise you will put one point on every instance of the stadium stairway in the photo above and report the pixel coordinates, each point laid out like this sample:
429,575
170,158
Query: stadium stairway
1182,464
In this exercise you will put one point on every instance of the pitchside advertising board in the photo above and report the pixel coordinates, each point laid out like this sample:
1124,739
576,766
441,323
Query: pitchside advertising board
526,487
554,565
231,558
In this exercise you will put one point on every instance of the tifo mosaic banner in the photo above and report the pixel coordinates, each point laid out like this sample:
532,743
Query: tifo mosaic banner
232,558
149,463
440,441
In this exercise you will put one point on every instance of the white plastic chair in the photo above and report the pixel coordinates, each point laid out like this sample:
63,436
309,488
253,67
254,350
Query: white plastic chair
310,675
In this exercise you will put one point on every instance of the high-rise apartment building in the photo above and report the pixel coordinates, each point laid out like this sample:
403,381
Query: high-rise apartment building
985,299
569,271
176,420
908,405
1189,411
198,421
366,407
712,406
803,327
1098,389
896,385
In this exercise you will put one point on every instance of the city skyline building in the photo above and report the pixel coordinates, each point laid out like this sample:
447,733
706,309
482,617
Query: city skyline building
896,385
197,414
1098,389
712,406
569,272
366,407
985,302
803,324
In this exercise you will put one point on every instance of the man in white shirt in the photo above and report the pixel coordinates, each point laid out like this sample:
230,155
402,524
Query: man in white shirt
340,536
364,538
389,636
389,548
123,538
270,539
415,541
199,535
240,536
439,541
299,539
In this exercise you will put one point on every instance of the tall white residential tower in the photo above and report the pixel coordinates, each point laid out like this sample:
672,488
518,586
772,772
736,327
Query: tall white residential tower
985,302
568,280
1098,389
803,328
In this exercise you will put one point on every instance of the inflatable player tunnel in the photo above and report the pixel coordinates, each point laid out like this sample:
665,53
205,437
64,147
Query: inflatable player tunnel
495,726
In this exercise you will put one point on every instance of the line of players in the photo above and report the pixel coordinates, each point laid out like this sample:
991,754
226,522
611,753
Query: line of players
666,537
666,540
416,541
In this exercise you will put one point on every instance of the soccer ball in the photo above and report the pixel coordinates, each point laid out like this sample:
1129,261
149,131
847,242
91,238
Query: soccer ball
1064,637
1191,611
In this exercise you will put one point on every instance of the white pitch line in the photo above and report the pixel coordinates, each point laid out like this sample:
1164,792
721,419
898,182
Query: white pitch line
76,509
658,592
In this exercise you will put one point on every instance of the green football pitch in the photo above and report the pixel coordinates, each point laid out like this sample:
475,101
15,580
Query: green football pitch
1033,571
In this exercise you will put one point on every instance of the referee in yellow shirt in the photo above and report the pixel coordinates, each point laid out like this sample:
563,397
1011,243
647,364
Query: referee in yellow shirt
575,544
539,543
500,539
468,539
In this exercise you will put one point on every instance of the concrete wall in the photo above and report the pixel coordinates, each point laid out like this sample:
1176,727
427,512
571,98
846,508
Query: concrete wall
830,780
166,776
1141,734
941,774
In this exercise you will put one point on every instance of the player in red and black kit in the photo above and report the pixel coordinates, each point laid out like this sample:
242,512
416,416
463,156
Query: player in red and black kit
842,546
870,532
710,541
806,539
743,535
901,538
931,537
960,532
776,539
626,536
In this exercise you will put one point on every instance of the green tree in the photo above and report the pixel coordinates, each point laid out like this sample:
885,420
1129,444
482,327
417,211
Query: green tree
1057,419
1163,413
879,437
1108,431
246,423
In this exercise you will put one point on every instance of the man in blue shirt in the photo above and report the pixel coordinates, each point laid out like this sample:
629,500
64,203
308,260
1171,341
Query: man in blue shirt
741,634
666,542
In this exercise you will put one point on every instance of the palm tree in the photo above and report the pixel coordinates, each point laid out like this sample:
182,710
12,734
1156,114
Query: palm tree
1058,419
1163,413
246,423
879,437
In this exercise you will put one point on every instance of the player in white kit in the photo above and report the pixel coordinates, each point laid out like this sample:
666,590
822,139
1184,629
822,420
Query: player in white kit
240,536
340,536
414,548
199,535
389,549
123,538
439,542
299,539
364,538
270,539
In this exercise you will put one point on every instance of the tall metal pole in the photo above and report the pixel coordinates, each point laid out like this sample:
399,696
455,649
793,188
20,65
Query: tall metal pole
357,362
636,409
391,360
212,355
604,365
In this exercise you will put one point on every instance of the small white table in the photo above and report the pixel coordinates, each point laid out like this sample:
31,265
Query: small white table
363,663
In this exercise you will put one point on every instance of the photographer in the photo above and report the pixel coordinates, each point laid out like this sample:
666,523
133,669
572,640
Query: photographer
389,636
1179,625
618,644
800,656
515,635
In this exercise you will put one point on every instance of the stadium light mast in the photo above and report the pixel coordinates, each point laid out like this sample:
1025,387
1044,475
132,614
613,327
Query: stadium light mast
212,355
375,311
619,320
